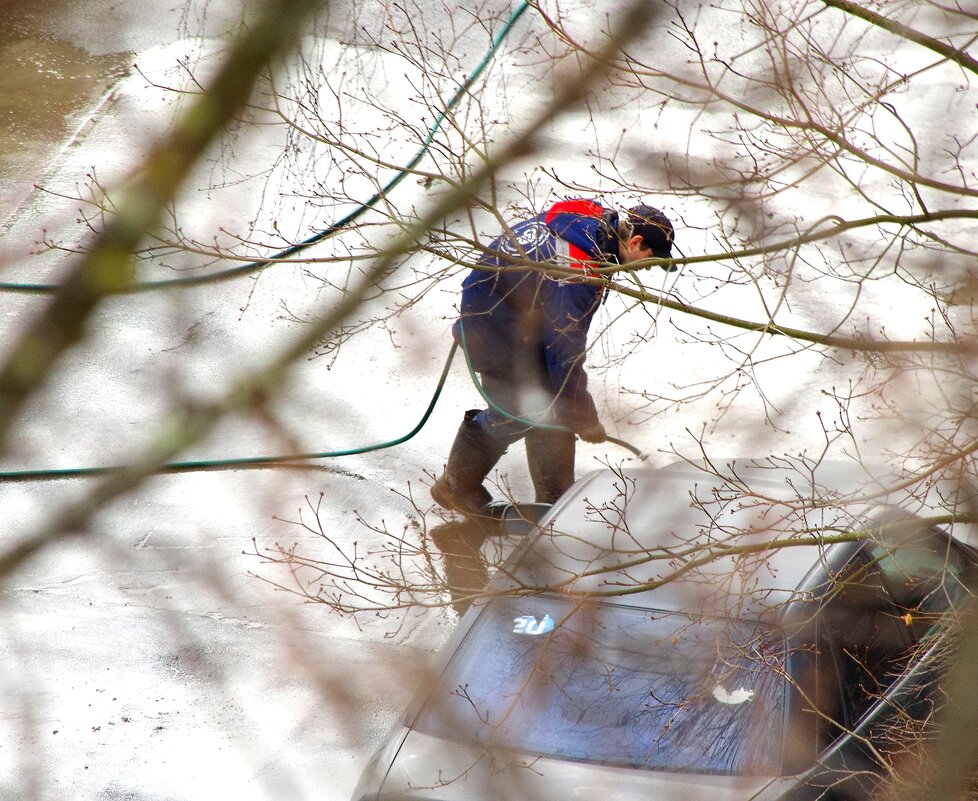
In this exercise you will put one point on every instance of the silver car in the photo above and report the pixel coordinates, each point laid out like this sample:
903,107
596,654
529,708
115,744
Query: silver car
673,634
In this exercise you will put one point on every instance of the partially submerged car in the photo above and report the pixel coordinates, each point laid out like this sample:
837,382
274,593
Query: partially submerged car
674,634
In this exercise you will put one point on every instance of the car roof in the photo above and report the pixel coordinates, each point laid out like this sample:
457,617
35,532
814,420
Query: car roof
693,537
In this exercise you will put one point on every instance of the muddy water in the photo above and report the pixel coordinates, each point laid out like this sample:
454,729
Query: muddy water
59,58
47,85
43,85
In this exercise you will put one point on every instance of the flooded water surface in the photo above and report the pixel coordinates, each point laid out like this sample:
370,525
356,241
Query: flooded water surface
58,63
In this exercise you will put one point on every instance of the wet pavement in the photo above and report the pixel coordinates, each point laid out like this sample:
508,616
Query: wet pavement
59,62
152,657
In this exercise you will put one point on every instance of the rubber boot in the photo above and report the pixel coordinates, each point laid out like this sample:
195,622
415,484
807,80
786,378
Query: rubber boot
474,453
550,457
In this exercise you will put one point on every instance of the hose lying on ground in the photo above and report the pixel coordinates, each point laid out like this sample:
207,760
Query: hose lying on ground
259,461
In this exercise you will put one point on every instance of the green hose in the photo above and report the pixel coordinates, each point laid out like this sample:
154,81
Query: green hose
247,269
251,461
258,461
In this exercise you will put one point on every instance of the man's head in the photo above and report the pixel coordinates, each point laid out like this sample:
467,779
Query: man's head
645,233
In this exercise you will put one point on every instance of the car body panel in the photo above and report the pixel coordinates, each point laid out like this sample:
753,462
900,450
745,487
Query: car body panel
675,513
430,767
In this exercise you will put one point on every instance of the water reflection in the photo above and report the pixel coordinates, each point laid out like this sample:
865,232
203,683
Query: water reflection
472,548
466,567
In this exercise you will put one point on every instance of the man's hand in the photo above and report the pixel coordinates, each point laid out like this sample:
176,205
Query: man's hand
593,433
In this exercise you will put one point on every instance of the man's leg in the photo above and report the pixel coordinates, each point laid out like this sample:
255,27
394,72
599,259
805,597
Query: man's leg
550,458
474,453
481,440
549,453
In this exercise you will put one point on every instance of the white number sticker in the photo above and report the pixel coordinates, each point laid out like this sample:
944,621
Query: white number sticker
528,624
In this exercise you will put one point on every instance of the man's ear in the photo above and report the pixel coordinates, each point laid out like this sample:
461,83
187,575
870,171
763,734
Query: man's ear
636,244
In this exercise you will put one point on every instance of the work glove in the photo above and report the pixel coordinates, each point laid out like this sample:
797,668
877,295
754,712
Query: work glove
593,432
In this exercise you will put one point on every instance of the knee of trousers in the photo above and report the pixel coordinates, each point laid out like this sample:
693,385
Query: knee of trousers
494,428
473,435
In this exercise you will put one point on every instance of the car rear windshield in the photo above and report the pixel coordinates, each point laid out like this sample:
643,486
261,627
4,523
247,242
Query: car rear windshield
615,685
